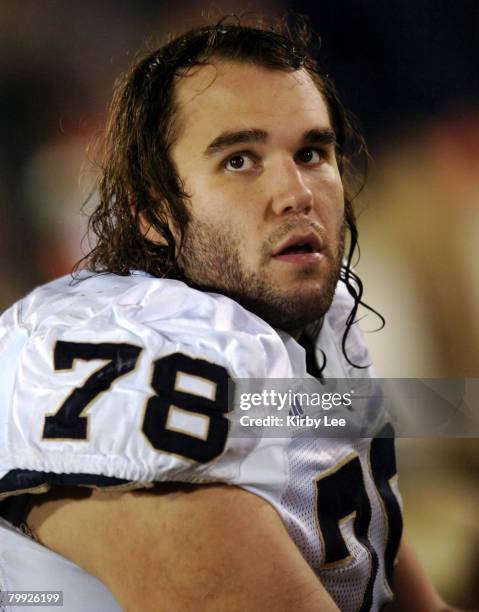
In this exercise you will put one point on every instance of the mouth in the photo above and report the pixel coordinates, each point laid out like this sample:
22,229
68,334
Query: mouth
304,248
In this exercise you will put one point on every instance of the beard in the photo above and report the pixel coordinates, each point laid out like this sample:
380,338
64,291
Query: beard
210,260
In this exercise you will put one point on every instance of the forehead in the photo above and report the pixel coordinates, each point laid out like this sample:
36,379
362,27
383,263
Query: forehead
232,95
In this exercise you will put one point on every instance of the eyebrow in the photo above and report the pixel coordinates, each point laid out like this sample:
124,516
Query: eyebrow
230,138
324,136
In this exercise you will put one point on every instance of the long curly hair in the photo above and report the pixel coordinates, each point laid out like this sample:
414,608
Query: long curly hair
138,179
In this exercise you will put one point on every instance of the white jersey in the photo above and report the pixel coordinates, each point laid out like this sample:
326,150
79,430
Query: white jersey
123,381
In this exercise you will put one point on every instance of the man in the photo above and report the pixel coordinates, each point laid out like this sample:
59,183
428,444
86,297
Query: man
225,172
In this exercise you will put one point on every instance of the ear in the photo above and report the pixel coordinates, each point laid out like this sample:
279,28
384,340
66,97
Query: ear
144,225
147,231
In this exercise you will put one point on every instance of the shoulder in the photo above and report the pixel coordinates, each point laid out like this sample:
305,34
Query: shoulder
150,297
114,380
148,311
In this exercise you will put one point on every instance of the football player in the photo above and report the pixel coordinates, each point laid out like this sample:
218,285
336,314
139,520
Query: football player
225,210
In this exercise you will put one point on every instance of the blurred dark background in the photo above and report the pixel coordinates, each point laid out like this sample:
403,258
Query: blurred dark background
409,70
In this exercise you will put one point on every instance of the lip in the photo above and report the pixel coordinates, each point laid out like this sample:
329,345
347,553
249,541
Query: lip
300,258
312,257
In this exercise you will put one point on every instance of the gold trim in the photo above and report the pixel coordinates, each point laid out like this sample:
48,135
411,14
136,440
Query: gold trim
41,488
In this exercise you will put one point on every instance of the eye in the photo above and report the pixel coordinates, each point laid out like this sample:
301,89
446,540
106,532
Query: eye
239,162
310,156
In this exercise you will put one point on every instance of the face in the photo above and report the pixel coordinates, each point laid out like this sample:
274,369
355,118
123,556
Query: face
256,153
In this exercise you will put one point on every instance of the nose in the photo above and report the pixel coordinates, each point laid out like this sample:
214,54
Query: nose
291,193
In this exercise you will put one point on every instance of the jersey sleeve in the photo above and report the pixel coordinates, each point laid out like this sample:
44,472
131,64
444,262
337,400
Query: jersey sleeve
125,382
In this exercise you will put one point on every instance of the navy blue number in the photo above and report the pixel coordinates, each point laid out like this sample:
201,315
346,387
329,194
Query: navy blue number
170,396
342,493
208,404
68,422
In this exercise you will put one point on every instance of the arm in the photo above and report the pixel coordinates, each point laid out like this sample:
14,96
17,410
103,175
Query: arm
211,547
413,591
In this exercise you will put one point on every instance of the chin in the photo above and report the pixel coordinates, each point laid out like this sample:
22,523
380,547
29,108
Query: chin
290,310
285,303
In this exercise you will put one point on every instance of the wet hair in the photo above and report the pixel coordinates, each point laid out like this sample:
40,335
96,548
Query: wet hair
138,179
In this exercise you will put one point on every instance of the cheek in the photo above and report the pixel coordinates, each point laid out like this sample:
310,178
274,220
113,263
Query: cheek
221,216
330,199
228,207
334,184
210,202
